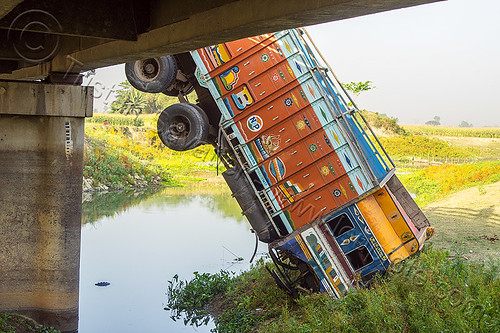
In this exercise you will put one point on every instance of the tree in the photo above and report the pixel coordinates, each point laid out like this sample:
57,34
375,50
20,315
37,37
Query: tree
435,122
358,87
465,124
128,101
132,101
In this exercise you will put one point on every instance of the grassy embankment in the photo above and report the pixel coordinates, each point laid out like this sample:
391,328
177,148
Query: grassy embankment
427,293
13,323
455,287
124,152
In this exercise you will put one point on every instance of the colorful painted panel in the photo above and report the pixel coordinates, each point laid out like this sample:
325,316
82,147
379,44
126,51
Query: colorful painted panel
271,114
382,229
214,56
284,134
313,204
346,268
240,46
356,241
396,220
374,159
325,261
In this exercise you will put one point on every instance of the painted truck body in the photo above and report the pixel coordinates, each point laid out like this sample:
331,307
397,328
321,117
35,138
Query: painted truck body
328,196
306,174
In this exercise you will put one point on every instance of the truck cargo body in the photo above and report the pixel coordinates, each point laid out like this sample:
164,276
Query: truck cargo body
321,181
314,185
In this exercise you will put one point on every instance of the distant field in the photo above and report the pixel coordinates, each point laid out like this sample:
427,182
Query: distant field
442,144
116,119
474,132
468,222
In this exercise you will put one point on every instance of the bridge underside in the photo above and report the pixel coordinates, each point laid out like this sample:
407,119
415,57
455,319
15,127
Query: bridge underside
39,37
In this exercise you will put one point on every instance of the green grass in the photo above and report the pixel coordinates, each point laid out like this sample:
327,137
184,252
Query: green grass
125,156
13,323
435,182
427,293
423,147
431,292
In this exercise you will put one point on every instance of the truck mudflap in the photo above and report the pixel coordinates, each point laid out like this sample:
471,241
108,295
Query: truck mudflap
251,207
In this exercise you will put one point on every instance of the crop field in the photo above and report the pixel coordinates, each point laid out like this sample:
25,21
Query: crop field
472,132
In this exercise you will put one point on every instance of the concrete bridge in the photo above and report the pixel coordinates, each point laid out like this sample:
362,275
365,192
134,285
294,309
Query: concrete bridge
42,121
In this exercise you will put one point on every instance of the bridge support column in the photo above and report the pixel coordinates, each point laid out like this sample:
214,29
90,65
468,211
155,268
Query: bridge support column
41,166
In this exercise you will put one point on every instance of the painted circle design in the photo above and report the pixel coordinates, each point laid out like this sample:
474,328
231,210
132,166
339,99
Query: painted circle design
301,124
313,147
288,101
264,57
325,171
255,123
337,193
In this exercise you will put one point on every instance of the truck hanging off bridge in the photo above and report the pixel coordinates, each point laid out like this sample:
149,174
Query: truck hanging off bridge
298,157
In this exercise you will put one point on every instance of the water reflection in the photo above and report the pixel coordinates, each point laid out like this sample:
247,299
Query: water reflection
108,204
139,241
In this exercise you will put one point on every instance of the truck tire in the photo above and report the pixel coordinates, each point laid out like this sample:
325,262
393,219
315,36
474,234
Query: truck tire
183,126
152,75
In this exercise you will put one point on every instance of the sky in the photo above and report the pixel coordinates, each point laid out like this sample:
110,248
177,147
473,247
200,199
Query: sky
440,59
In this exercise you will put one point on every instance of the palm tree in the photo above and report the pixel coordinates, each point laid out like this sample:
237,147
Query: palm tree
128,101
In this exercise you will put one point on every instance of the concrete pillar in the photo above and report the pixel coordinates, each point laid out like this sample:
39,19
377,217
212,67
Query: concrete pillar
41,166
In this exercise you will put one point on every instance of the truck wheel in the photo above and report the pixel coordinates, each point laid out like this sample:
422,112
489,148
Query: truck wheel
183,126
152,75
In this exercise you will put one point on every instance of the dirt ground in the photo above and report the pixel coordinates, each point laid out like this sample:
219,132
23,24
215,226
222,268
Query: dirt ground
468,222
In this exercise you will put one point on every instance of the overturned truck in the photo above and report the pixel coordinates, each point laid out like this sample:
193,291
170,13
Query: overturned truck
307,170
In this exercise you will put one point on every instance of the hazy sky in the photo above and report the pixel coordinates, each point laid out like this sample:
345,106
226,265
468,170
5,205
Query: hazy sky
438,59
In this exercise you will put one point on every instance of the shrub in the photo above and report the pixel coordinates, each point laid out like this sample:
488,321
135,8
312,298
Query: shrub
435,181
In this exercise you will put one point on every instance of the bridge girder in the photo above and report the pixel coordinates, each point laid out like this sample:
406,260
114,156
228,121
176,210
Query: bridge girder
97,33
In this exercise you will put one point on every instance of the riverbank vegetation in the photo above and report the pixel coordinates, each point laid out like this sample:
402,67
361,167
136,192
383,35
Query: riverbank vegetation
431,292
13,323
125,156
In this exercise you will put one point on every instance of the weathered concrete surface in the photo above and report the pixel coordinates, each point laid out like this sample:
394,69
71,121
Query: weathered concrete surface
20,98
7,5
175,27
41,164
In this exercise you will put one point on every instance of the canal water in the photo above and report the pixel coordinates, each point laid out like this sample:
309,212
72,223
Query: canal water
137,242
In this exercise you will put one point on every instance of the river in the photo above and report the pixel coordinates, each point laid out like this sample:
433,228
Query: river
138,241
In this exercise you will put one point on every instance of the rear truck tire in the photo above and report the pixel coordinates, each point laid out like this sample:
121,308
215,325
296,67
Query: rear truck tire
183,126
152,75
